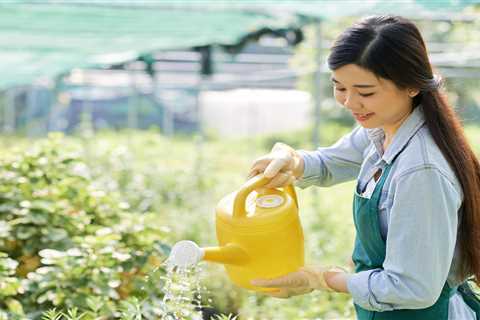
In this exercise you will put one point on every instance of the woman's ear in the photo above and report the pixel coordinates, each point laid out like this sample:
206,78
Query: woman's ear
412,92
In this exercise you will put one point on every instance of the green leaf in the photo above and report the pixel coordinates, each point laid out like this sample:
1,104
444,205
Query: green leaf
14,306
95,304
42,205
52,314
10,263
4,229
51,254
7,207
72,314
25,232
38,218
9,286
57,234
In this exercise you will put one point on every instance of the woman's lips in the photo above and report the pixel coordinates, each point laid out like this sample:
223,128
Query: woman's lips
363,117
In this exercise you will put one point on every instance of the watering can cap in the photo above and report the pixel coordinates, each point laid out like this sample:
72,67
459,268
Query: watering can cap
269,200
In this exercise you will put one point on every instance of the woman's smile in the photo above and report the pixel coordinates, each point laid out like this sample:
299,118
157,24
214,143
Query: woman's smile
363,117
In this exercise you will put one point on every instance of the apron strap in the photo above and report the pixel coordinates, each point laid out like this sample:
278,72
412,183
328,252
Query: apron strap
453,290
470,297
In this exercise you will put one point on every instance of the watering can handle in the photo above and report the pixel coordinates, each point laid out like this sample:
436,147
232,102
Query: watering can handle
252,184
290,189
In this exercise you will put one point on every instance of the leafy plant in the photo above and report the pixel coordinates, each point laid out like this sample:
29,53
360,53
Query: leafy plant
65,240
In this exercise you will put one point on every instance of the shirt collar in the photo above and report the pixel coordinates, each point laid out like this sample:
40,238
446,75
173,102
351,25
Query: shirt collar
403,135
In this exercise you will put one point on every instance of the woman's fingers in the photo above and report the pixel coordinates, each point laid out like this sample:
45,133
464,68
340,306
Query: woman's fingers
274,170
269,165
281,293
259,165
280,180
291,280
276,166
269,283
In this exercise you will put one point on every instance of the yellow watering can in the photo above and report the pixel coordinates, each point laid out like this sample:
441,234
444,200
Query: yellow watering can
259,234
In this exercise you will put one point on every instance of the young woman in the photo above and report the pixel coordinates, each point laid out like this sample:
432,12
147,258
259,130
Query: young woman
417,199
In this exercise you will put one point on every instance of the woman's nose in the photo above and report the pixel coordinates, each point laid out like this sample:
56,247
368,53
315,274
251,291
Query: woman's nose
350,103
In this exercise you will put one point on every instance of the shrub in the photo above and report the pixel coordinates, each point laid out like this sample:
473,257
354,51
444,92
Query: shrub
67,243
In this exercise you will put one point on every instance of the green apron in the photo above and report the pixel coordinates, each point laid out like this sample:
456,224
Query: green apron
369,253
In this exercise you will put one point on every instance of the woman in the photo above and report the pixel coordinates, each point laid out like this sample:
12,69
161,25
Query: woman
417,200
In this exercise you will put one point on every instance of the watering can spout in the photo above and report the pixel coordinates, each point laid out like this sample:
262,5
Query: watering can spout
187,253
228,254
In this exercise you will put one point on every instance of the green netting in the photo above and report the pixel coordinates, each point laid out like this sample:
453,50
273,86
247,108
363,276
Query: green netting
410,8
44,39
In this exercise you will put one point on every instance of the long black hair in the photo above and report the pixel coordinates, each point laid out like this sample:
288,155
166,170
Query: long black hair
392,48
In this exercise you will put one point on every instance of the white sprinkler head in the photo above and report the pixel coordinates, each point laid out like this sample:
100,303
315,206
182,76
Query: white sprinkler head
185,254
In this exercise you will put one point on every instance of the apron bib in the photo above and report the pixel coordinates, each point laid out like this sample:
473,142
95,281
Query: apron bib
369,253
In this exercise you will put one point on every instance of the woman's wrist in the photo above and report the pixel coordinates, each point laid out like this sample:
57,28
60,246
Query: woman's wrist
336,279
299,165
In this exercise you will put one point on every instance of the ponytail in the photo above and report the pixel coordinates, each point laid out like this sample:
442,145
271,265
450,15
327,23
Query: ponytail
447,132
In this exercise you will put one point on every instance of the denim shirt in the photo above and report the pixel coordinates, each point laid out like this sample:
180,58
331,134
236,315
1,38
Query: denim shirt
419,213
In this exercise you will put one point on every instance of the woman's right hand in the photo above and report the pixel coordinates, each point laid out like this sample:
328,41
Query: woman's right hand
283,165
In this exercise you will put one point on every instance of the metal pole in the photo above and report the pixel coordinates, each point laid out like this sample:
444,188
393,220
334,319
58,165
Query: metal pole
198,107
57,118
9,124
132,114
155,90
168,126
202,85
53,118
87,120
199,137
317,89
31,104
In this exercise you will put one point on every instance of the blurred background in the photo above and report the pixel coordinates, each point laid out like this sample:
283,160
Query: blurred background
124,123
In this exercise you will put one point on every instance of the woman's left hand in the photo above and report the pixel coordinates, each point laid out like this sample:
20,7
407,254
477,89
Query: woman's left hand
303,281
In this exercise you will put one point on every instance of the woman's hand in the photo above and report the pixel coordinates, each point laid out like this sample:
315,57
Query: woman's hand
304,280
283,165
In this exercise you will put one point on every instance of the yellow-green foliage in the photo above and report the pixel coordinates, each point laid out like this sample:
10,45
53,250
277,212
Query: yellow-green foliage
65,200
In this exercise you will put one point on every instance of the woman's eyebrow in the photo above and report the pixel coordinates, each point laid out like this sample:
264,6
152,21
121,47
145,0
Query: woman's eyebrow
355,85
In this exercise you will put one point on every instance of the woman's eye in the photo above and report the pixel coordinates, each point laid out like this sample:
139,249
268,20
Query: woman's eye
366,94
340,89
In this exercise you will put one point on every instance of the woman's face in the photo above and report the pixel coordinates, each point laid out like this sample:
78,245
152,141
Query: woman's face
374,102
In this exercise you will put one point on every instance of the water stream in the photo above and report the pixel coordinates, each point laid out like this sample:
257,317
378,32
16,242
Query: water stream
182,293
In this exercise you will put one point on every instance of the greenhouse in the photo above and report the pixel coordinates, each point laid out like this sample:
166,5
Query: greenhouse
136,137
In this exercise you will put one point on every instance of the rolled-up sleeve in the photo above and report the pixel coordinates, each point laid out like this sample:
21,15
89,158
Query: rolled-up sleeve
339,163
420,244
